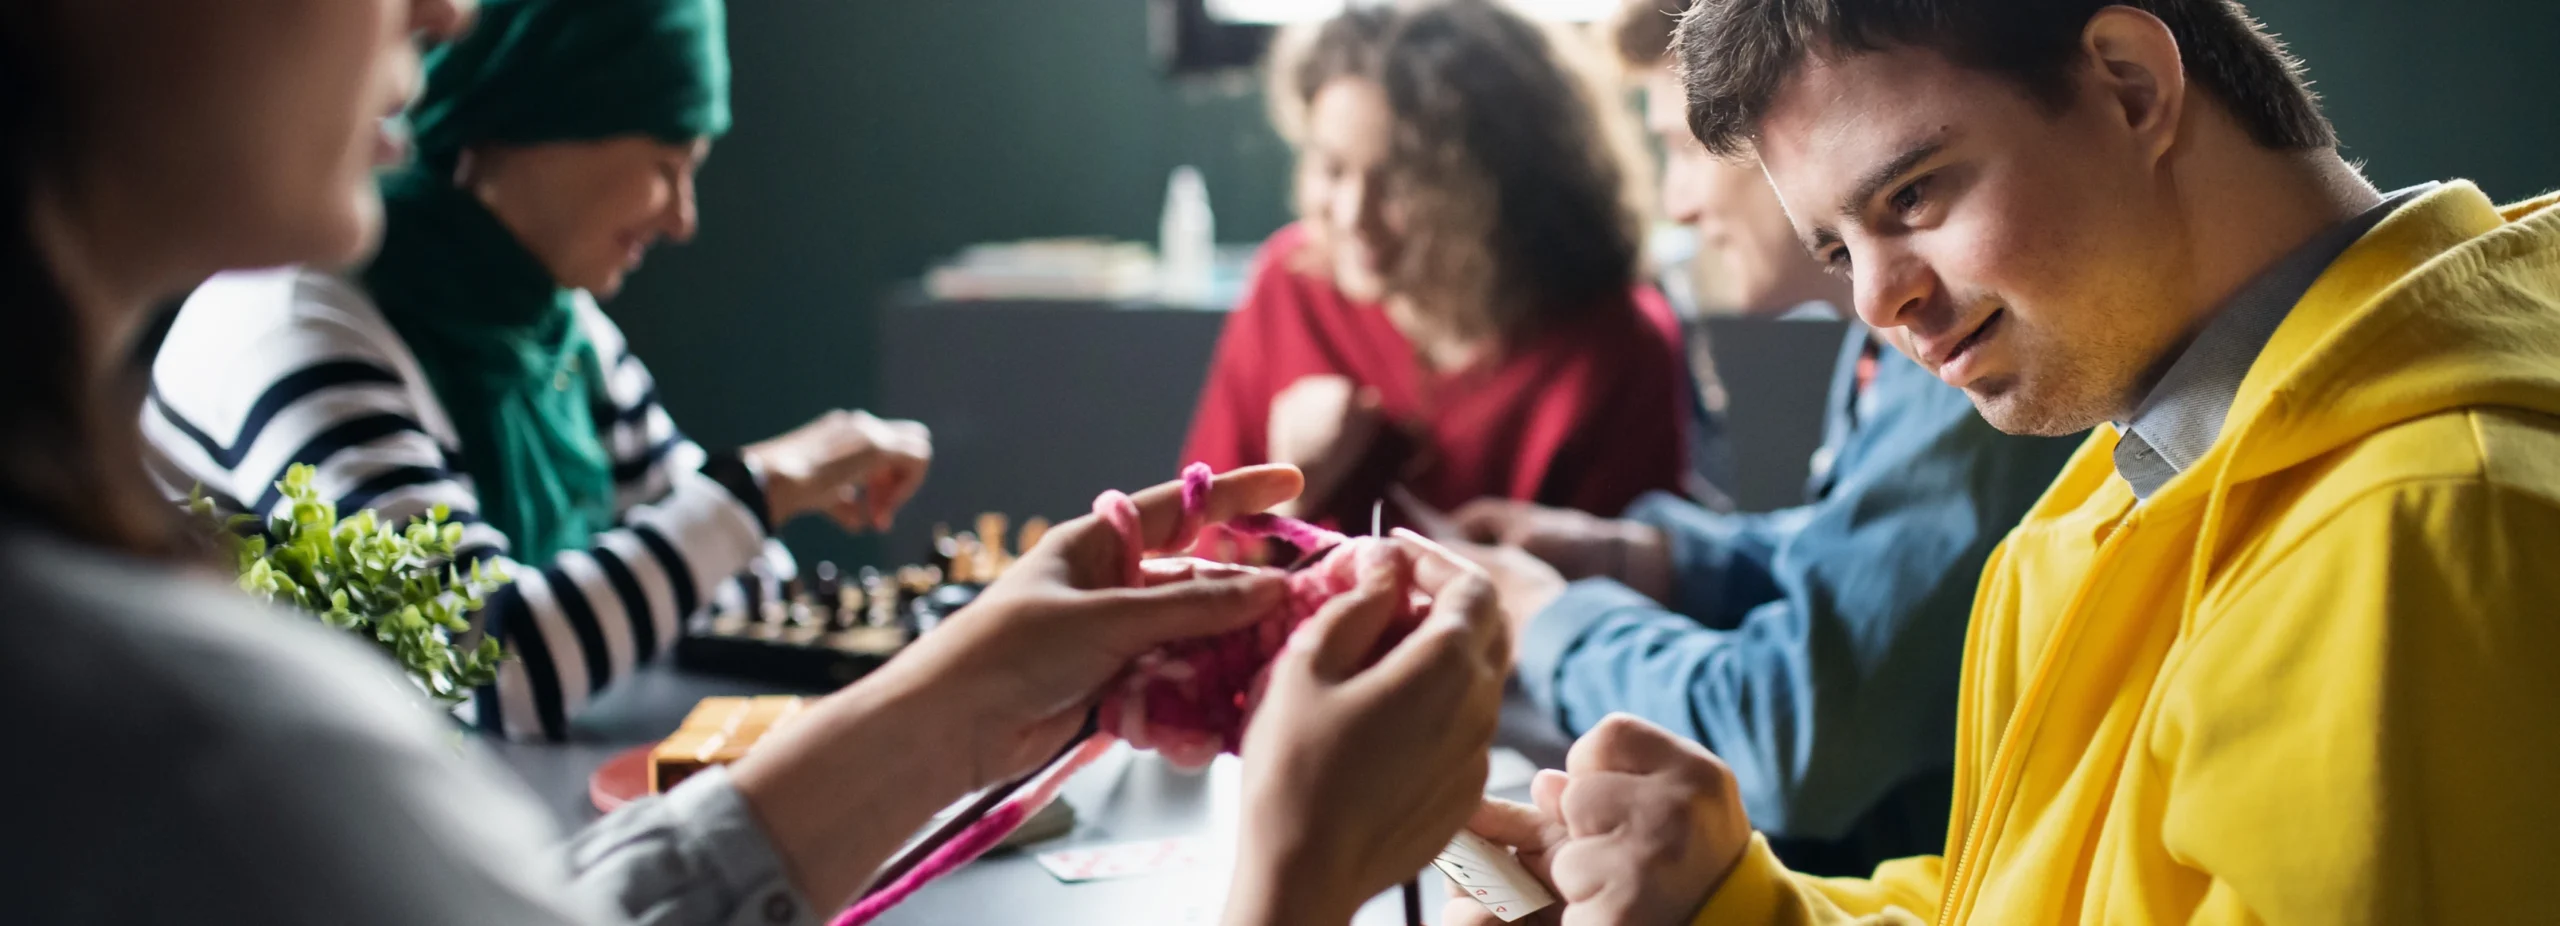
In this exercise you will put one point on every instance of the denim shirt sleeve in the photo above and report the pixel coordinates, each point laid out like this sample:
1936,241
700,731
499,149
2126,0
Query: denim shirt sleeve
1720,563
694,856
1719,567
1840,683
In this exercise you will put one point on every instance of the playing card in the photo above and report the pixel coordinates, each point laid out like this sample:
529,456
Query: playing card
1125,860
1490,874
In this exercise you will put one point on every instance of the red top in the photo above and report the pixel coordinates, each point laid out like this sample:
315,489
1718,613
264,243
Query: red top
1586,415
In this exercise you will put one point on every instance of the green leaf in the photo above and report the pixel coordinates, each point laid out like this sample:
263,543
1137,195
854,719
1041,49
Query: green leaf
393,584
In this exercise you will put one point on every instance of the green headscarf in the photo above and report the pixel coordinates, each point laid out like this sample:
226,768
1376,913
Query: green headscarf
495,332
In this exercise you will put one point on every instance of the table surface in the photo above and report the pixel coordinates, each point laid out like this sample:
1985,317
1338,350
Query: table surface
1116,800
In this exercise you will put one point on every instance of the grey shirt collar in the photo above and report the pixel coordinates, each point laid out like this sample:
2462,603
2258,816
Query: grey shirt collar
2184,414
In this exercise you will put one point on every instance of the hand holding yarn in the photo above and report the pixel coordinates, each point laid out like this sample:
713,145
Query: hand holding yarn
1190,699
1183,651
1020,666
1360,765
1364,701
1027,658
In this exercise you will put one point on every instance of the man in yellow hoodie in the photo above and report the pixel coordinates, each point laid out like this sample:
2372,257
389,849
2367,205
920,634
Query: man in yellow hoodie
2282,644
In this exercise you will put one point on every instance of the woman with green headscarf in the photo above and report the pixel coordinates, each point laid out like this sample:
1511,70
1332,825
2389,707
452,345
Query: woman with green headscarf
468,364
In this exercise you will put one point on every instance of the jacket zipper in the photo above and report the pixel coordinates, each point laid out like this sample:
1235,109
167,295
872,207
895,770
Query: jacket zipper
2029,713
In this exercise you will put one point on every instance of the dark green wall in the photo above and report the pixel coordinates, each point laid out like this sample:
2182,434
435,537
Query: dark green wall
2425,91
876,135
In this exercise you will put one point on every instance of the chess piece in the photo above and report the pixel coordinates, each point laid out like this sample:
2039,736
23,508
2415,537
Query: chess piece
932,608
992,558
758,577
913,583
946,547
917,580
849,605
880,599
773,610
805,608
965,554
827,591
1032,530
786,601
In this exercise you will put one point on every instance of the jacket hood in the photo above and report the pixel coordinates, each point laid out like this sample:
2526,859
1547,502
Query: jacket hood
2450,302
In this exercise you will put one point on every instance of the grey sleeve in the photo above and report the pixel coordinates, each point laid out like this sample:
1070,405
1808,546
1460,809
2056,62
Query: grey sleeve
693,856
222,763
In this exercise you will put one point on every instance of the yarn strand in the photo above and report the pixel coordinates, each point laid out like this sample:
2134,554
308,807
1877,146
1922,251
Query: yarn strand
978,838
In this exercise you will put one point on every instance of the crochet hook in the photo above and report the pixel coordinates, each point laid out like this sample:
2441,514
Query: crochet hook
1413,887
1377,528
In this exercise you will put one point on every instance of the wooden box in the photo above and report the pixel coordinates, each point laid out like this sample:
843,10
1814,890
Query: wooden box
718,731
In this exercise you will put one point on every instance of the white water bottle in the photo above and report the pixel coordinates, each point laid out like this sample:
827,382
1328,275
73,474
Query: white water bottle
1187,240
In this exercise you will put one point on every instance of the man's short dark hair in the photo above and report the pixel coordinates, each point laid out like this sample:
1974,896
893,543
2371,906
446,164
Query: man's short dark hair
1734,54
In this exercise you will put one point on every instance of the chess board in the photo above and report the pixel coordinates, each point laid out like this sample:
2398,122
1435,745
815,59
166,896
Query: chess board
825,632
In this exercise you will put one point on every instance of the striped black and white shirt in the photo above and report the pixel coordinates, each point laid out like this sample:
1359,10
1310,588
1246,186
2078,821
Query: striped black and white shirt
268,369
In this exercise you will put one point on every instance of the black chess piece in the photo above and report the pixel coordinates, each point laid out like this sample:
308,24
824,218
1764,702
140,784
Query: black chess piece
754,586
830,602
932,608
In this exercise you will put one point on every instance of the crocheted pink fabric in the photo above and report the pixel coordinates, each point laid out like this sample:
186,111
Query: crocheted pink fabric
1189,700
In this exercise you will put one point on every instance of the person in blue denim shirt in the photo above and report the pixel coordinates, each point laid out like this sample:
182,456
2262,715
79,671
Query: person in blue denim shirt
1815,649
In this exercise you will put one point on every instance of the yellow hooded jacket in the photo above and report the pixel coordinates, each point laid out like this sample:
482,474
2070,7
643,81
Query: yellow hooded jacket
2316,678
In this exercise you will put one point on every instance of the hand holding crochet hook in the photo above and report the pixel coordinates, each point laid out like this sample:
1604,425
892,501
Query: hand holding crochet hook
1355,778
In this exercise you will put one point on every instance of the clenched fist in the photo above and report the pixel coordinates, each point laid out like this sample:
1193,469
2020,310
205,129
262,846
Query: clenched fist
1639,829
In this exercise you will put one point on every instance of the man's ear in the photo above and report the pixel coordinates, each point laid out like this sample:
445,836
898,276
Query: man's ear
2136,68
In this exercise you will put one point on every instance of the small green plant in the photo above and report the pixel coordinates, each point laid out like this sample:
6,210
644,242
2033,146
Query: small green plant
397,587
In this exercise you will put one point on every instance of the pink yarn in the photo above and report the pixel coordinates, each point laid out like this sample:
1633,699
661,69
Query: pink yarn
977,838
1188,700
